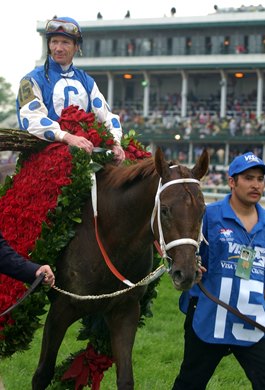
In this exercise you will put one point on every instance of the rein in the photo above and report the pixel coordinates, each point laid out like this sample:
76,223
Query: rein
111,266
32,288
145,281
230,308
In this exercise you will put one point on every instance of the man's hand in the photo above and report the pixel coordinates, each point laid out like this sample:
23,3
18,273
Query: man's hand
200,272
49,276
118,153
80,142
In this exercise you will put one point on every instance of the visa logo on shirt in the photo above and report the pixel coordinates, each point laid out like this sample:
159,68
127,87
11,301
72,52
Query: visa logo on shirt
225,233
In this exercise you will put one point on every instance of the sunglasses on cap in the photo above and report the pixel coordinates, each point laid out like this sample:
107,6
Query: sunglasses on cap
69,28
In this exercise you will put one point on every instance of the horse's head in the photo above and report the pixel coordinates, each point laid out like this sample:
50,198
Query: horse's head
177,216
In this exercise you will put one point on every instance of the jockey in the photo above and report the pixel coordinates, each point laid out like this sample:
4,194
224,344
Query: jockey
48,89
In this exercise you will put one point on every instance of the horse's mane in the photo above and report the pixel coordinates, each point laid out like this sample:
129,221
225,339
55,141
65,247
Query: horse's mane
117,176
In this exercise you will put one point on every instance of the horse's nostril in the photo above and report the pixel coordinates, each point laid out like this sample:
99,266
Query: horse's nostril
182,280
178,275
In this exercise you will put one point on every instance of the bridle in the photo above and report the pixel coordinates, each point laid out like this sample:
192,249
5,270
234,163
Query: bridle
157,212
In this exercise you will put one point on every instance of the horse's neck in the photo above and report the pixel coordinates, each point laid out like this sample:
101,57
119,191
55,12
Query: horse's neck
136,201
144,195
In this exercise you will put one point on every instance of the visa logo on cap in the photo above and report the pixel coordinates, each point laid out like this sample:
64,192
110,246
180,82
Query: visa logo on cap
251,158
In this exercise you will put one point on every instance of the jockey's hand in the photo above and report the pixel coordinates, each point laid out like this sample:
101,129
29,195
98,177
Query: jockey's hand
119,154
80,142
201,270
49,276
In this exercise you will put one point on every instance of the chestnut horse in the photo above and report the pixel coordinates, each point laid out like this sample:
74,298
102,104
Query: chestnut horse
137,205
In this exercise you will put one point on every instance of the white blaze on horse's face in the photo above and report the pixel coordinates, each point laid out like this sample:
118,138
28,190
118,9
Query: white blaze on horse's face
178,212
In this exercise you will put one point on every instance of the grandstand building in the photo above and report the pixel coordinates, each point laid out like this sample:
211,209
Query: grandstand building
183,83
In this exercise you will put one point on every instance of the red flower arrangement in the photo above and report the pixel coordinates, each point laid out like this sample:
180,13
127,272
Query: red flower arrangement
29,206
24,208
80,123
88,367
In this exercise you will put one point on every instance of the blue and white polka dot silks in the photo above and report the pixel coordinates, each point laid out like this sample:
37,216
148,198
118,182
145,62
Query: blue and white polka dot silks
39,116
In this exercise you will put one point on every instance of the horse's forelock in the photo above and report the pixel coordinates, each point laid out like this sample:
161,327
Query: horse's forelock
182,170
117,176
185,172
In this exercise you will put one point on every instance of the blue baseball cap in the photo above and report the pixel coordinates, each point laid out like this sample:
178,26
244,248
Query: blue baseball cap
243,162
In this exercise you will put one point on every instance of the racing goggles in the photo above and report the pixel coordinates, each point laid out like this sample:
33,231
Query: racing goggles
69,28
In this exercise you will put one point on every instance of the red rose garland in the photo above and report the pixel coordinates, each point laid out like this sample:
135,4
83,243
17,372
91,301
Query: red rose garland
24,208
26,205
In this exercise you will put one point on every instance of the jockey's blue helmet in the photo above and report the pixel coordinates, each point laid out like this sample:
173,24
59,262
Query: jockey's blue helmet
64,26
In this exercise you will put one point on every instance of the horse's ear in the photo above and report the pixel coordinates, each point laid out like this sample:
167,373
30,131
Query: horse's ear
161,165
202,165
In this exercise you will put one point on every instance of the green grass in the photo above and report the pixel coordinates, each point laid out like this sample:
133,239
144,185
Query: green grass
157,353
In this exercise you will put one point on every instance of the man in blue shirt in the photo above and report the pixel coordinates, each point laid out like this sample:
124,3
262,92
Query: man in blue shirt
48,89
233,255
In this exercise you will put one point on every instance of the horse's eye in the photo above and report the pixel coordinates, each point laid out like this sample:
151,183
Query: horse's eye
164,211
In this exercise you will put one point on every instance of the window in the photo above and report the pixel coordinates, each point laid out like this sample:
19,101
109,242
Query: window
246,43
208,45
130,48
226,45
97,48
114,47
188,45
169,46
263,44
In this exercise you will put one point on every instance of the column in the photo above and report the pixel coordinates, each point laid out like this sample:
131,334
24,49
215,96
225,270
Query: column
190,158
110,89
227,149
146,87
223,84
184,94
259,93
